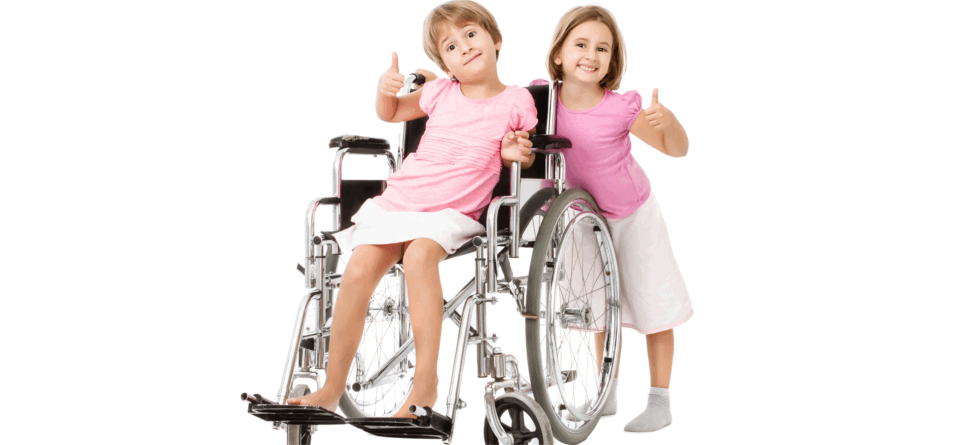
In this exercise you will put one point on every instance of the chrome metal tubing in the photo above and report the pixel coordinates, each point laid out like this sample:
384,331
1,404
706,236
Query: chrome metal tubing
553,104
491,229
405,333
459,362
512,371
514,210
482,365
337,179
324,299
310,251
560,172
287,381
492,417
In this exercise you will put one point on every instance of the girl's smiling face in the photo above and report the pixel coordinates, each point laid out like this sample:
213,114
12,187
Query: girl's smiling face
467,51
586,53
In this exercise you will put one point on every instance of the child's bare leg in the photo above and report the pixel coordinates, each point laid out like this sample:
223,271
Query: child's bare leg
421,266
658,412
366,267
661,347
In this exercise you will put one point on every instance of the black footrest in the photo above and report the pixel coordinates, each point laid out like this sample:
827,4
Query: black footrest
295,414
431,426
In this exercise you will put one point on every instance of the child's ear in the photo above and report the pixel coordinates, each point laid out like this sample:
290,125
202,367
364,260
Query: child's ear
499,45
557,59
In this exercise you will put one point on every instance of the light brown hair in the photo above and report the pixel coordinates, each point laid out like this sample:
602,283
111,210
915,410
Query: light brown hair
457,12
577,16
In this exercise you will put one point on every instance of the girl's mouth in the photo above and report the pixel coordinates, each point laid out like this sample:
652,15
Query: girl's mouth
474,58
587,69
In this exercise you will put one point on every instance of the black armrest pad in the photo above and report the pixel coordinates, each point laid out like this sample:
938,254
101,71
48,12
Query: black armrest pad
360,144
329,200
542,142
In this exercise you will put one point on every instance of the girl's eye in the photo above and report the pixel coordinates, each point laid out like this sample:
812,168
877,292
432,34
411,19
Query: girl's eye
580,45
471,34
451,47
603,49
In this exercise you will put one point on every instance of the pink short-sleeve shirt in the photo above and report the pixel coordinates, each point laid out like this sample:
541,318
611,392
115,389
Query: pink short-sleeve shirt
600,160
458,160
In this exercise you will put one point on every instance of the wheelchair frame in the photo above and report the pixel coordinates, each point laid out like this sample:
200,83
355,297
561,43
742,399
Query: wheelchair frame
486,287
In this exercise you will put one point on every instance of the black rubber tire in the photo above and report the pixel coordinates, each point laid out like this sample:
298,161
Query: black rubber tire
298,434
538,369
522,405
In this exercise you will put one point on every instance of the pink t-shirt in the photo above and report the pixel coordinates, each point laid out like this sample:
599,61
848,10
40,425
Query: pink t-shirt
600,160
459,157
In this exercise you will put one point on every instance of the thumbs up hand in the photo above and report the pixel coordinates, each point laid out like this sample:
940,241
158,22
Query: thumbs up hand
391,81
659,117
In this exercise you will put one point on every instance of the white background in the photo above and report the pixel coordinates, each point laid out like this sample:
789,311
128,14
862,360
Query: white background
157,158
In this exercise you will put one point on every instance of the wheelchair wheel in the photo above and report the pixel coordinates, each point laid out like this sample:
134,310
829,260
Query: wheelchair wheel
574,291
522,418
298,434
386,328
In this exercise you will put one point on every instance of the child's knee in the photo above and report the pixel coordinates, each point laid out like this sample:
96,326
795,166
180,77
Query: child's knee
421,256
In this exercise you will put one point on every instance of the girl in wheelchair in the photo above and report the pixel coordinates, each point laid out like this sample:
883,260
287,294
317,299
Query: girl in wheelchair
430,207
588,56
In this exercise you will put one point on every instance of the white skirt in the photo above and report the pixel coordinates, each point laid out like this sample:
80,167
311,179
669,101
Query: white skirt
653,294
373,225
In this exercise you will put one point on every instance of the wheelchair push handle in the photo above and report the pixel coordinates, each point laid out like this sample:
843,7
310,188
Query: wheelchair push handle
418,79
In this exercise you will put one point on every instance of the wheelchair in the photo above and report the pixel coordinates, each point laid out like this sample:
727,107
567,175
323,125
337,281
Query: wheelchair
569,293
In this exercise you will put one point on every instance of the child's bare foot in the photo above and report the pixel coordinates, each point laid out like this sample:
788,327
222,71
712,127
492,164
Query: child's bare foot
421,395
321,398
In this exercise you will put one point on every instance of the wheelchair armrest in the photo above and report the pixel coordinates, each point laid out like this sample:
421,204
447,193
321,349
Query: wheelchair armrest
332,200
548,142
360,144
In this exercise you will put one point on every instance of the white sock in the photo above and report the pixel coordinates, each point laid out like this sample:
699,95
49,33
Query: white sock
657,414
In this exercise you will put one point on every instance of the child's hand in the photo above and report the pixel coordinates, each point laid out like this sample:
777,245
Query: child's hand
516,147
391,81
659,117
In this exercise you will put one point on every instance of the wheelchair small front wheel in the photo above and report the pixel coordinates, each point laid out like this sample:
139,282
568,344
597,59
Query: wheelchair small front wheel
298,434
573,294
522,419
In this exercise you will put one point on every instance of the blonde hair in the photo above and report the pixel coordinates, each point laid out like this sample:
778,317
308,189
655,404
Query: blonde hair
457,12
577,16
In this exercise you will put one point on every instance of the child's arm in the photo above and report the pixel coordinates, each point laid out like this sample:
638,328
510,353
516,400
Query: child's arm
658,127
516,147
391,108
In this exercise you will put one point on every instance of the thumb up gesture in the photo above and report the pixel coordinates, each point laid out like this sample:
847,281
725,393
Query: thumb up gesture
659,117
391,81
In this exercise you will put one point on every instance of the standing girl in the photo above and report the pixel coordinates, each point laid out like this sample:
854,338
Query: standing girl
588,56
430,206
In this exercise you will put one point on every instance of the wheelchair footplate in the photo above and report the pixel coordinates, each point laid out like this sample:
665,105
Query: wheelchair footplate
428,425
290,414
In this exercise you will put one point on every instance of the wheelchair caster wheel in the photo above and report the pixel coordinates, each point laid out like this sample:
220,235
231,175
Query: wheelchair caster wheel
523,420
298,434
